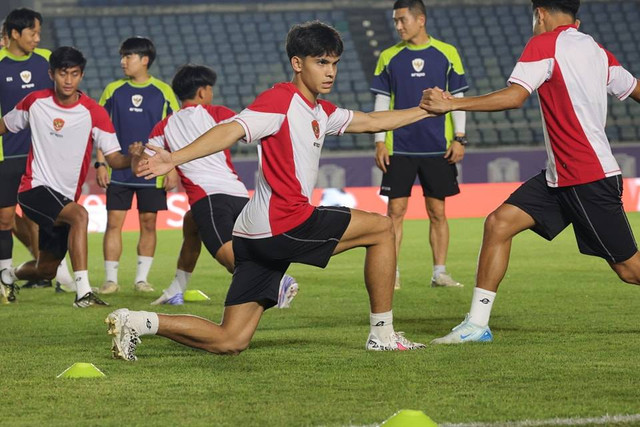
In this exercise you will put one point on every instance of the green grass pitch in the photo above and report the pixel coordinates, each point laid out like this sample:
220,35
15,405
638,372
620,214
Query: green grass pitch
566,345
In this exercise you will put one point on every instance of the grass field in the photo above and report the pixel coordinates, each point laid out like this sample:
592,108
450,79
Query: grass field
566,345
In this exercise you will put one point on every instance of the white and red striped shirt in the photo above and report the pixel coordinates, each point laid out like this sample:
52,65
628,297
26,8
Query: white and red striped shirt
290,131
62,138
213,174
573,74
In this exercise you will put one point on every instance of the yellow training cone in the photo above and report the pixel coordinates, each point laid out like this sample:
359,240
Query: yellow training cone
81,370
409,418
195,295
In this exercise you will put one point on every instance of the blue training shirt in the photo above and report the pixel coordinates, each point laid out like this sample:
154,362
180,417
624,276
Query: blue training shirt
134,110
403,72
19,76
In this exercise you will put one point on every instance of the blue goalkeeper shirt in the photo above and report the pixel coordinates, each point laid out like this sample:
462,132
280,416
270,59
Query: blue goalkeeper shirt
134,110
19,76
402,73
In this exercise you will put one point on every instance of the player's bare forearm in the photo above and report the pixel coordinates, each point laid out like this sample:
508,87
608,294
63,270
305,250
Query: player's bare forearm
99,156
380,121
118,161
3,127
214,140
504,99
635,95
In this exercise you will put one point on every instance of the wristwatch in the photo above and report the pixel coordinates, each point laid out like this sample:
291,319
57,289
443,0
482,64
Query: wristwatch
98,164
461,139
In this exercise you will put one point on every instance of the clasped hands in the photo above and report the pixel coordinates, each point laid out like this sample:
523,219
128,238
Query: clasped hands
436,101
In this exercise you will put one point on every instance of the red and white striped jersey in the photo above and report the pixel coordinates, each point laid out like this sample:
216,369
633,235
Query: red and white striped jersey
62,138
213,174
573,75
290,131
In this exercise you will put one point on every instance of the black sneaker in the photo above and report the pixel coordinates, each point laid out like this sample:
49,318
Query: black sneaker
36,284
88,300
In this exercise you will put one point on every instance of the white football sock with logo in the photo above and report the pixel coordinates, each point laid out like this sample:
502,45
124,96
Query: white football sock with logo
382,325
111,271
83,286
481,305
144,322
142,270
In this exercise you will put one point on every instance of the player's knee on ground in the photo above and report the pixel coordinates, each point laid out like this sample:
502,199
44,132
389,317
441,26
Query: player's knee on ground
231,346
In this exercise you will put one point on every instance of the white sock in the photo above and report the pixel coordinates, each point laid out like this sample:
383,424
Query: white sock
145,322
63,275
481,306
382,325
144,265
111,271
5,263
82,283
438,270
9,275
179,284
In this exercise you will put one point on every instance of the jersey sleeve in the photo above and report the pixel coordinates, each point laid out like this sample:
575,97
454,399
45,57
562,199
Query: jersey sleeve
102,131
18,118
535,65
456,79
156,137
620,83
339,118
265,116
381,82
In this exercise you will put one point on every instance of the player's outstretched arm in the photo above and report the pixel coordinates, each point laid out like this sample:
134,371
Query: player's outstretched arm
380,121
216,139
438,102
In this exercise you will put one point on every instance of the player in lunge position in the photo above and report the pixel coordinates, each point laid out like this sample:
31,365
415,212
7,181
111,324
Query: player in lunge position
278,225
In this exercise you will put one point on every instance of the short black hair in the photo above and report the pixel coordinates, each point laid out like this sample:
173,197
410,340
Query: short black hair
66,57
569,7
313,38
191,77
19,19
415,6
139,46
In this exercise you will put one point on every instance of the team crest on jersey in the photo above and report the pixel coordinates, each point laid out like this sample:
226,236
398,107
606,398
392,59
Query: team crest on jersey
58,124
25,76
418,64
136,100
316,128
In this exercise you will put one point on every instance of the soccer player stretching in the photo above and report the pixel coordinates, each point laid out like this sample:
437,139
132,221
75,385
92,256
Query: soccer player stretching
278,225
64,125
216,194
582,184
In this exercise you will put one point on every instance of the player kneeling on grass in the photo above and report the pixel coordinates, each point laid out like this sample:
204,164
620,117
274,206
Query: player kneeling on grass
65,123
279,226
216,194
582,184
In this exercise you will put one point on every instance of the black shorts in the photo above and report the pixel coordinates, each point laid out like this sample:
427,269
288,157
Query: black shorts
438,178
43,205
11,171
595,210
261,263
215,216
150,199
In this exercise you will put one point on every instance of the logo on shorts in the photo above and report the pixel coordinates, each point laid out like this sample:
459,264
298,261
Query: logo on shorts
418,64
25,76
58,124
316,128
136,100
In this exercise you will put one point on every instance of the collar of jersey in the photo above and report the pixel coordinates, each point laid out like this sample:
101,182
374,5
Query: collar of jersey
55,100
145,84
189,105
420,46
304,98
16,58
566,27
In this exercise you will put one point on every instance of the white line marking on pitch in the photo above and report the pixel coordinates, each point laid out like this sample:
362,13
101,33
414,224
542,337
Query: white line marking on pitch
604,420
